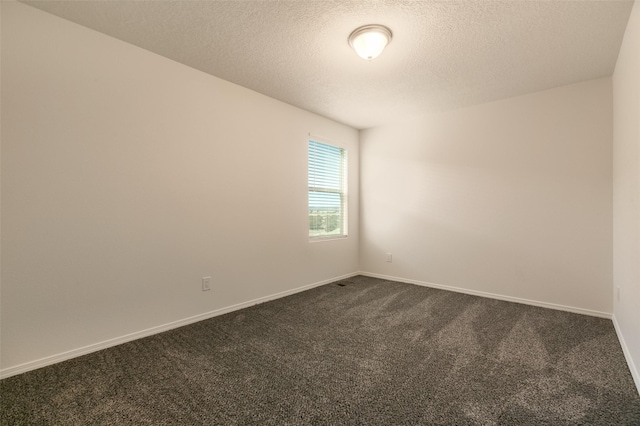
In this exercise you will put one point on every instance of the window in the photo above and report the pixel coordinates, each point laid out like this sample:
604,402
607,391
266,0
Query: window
327,191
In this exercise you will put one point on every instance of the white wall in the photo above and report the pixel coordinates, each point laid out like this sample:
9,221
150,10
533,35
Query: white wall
511,198
127,177
626,192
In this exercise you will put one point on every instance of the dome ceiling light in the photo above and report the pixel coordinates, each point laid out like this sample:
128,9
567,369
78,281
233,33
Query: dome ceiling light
370,40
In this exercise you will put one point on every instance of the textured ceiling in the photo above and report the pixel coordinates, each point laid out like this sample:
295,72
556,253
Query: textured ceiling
443,55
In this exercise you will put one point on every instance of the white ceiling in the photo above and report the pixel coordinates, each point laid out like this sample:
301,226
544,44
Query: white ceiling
444,54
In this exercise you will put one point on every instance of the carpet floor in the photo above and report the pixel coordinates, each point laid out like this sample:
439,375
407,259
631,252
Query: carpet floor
361,351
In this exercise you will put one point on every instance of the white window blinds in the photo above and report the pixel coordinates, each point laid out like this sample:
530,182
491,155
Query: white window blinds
327,190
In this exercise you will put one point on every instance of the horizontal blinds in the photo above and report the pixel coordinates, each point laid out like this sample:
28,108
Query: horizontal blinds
325,166
326,189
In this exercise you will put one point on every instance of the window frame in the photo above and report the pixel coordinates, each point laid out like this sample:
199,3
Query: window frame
343,191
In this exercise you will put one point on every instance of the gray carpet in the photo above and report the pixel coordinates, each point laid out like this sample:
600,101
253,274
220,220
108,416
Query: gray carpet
359,351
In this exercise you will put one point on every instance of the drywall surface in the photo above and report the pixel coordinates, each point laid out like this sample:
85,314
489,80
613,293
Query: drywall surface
511,198
127,177
626,192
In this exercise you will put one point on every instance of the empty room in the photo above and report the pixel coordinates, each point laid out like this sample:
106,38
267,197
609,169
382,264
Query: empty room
320,212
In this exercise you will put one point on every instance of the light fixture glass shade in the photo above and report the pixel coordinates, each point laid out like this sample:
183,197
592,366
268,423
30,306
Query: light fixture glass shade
370,40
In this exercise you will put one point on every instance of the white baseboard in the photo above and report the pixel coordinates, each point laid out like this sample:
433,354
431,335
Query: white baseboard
627,354
53,359
492,295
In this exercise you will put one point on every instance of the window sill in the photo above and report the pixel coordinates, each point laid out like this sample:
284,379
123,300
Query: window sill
329,238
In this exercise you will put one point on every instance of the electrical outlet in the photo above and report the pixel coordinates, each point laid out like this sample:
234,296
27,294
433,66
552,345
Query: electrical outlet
389,257
206,283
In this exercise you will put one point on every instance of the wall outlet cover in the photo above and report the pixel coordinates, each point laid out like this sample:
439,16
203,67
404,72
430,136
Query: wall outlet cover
206,283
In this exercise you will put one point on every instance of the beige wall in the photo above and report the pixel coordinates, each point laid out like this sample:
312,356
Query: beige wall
510,198
626,192
127,177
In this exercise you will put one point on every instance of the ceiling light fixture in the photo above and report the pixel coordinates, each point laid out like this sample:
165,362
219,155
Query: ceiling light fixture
370,40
